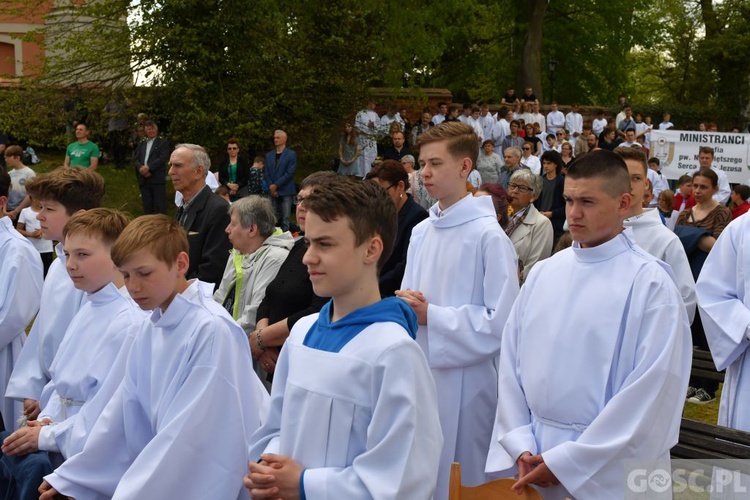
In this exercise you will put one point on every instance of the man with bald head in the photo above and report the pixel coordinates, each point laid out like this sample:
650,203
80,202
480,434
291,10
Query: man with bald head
279,175
586,392
203,214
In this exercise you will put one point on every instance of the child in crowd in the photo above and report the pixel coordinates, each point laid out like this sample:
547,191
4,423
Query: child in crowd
683,199
61,194
256,184
224,193
19,174
379,436
21,286
89,364
739,196
665,204
30,227
182,430
462,308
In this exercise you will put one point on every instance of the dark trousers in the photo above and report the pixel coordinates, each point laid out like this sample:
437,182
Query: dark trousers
154,198
700,341
20,477
47,259
118,147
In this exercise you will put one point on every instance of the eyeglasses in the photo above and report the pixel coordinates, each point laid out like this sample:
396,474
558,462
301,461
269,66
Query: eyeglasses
520,189
299,199
526,149
560,134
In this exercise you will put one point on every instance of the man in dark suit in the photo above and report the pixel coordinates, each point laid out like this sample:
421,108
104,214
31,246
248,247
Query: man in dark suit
203,214
150,162
279,175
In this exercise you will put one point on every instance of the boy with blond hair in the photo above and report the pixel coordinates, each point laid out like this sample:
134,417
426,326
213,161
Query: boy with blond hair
461,279
62,193
20,287
379,435
179,423
89,364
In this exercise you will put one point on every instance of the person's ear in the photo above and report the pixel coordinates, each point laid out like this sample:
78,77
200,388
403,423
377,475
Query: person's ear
374,250
183,263
466,166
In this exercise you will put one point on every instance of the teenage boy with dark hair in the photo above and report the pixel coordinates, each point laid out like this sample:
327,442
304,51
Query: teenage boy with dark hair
379,436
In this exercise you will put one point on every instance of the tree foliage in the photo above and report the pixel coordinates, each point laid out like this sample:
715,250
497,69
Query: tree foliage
221,68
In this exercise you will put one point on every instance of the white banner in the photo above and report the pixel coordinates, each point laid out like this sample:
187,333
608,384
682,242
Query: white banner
677,151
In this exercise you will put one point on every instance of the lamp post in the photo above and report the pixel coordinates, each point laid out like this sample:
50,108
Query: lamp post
552,65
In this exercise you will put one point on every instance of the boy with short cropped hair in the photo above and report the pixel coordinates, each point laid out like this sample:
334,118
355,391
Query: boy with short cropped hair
179,431
62,193
255,183
380,435
462,294
20,289
89,364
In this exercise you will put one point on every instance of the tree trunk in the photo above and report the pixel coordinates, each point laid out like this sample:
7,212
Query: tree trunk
530,73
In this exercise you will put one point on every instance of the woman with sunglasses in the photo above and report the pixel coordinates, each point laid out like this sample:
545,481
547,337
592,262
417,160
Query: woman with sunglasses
234,171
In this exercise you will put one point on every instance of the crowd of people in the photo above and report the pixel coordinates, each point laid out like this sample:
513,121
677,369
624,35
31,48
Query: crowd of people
438,304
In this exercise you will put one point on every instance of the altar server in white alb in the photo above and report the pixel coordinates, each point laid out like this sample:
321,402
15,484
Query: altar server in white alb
179,424
20,288
461,279
62,193
353,407
596,354
723,290
650,233
90,362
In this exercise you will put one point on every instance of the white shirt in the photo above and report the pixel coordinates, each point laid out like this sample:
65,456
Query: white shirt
598,126
21,289
555,121
379,437
145,443
723,291
722,195
438,119
60,302
469,300
88,368
533,163
592,391
654,237
574,123
31,224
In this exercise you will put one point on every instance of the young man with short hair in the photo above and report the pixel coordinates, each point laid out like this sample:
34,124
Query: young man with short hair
462,294
379,436
586,392
182,430
650,233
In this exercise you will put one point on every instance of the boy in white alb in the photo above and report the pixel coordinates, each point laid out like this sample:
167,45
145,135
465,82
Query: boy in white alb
650,233
30,227
723,290
62,193
89,364
461,279
179,424
20,289
353,408
596,354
